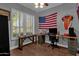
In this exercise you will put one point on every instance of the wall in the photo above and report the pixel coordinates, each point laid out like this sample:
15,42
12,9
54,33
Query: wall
8,6
62,10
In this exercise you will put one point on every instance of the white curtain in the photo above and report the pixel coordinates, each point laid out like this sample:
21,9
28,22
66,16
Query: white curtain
22,22
29,23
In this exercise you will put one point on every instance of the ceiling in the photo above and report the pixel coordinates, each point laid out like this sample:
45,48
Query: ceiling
31,6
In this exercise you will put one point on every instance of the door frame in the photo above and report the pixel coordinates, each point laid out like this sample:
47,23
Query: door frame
9,13
9,22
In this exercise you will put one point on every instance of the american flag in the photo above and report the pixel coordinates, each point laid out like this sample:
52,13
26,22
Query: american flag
49,21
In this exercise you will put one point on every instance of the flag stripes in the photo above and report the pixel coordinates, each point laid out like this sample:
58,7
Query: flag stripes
49,21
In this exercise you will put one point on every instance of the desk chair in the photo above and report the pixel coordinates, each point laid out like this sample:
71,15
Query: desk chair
53,39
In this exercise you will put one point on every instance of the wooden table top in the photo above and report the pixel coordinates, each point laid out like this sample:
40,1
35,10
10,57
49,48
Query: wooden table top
26,36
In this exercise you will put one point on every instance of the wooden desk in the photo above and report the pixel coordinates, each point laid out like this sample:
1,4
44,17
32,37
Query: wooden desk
35,36
31,37
22,38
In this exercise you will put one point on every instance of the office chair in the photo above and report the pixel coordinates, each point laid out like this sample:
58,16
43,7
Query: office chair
53,39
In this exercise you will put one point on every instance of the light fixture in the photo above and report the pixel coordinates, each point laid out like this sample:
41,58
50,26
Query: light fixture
40,5
36,6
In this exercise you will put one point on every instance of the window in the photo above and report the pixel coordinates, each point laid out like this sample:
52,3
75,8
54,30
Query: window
15,22
21,22
29,24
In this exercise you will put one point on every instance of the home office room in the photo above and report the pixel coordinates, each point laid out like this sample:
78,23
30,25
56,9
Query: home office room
39,29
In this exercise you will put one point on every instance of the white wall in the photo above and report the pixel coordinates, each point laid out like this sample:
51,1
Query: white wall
62,10
8,6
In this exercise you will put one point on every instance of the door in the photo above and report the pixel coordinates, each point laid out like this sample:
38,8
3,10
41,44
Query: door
4,36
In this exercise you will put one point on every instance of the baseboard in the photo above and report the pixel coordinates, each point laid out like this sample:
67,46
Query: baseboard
13,47
65,46
58,44
17,45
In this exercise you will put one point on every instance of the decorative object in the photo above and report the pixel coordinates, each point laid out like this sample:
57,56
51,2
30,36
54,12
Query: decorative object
67,23
40,5
78,11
